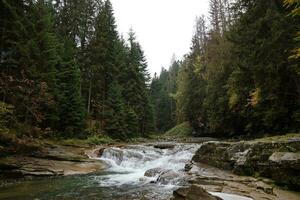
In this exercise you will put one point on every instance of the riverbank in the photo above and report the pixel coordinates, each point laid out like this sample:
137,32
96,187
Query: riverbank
148,163
50,160
265,168
277,158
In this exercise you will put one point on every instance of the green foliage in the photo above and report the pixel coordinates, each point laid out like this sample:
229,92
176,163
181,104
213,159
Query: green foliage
131,122
114,113
263,79
61,62
295,12
97,140
238,79
181,130
70,103
162,90
6,112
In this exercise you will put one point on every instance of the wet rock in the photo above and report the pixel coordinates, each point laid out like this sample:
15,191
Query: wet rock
99,151
95,153
164,146
193,192
278,160
188,166
171,177
153,172
114,153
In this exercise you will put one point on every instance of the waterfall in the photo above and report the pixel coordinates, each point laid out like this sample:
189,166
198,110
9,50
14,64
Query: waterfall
129,164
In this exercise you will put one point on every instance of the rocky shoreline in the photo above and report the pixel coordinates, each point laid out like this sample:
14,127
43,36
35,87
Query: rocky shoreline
250,169
49,161
277,160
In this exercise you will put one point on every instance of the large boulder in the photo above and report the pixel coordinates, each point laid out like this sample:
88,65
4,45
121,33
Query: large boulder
193,192
285,167
153,172
278,160
171,177
167,177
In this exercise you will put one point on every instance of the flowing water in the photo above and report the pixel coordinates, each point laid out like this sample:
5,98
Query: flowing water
122,180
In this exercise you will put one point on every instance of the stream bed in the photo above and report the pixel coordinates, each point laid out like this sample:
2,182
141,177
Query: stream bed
123,179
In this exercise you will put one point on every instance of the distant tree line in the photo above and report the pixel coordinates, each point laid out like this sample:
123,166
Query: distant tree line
65,69
241,76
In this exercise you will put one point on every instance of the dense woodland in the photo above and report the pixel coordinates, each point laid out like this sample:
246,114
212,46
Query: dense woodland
242,75
66,71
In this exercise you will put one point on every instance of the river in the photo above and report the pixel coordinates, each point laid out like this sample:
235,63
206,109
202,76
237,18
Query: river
124,178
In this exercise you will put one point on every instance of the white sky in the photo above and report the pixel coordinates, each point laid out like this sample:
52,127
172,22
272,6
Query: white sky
163,27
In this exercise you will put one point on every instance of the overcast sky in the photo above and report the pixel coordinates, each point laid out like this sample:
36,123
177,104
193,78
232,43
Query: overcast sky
163,27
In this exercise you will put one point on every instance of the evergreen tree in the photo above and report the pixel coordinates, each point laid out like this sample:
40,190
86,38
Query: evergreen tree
71,112
136,92
264,80
114,113
29,59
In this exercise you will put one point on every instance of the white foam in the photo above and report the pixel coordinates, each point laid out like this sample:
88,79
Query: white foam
128,165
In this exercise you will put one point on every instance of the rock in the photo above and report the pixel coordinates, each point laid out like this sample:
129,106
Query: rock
188,166
115,153
271,159
99,151
62,153
164,146
294,139
193,192
213,153
95,153
48,165
171,177
264,187
153,172
286,158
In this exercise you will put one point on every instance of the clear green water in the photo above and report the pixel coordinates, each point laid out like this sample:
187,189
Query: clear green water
81,187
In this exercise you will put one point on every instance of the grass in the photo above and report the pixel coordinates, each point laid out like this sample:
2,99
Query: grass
182,130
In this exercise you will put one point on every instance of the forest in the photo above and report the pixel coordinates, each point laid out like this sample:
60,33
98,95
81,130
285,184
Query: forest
67,72
241,76
82,116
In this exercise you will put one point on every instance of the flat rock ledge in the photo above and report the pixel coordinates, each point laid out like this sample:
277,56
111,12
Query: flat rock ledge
279,161
58,161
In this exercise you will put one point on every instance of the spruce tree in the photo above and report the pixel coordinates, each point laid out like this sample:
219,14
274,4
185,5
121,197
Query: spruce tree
114,113
71,111
264,80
